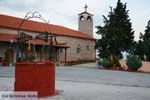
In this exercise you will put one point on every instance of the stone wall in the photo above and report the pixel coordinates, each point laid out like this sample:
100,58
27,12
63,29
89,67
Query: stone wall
8,30
87,50
85,26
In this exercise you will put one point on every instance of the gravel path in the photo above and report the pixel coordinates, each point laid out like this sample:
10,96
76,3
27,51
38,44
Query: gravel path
103,76
92,91
90,84
89,91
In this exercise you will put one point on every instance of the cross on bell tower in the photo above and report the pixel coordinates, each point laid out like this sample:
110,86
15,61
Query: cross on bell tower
85,7
85,22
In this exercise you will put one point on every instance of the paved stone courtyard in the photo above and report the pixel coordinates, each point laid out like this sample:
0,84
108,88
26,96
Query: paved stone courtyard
82,82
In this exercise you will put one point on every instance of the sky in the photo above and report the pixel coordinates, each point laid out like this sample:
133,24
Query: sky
65,12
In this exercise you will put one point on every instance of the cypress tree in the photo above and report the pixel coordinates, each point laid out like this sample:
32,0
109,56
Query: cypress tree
145,39
117,34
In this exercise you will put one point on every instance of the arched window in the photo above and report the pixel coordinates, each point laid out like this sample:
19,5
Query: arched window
81,18
89,18
78,50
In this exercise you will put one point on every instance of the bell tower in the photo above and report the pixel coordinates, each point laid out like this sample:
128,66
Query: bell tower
85,22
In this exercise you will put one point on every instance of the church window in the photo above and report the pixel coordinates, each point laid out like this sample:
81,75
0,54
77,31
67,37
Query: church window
87,47
81,18
78,50
89,18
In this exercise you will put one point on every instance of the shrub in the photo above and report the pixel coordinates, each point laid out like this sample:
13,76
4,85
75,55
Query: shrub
133,62
106,63
5,56
31,57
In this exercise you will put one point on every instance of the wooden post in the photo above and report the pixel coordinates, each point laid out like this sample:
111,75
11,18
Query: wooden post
56,54
65,55
40,55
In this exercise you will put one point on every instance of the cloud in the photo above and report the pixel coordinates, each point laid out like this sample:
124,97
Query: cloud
64,12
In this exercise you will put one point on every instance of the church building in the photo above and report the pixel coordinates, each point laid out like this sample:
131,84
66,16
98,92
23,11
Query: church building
71,45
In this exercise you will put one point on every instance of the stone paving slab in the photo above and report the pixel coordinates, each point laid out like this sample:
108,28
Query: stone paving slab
89,91
80,83
103,76
7,71
93,75
92,91
87,65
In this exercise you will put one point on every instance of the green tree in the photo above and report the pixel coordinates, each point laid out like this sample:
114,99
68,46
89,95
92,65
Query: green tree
145,39
140,49
133,62
117,34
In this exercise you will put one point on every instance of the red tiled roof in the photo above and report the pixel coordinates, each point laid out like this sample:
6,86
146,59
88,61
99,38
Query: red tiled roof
7,37
14,22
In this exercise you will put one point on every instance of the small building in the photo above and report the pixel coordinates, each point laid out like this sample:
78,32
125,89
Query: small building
71,46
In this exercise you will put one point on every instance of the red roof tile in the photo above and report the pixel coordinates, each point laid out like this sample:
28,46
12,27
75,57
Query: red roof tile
7,37
4,37
14,22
